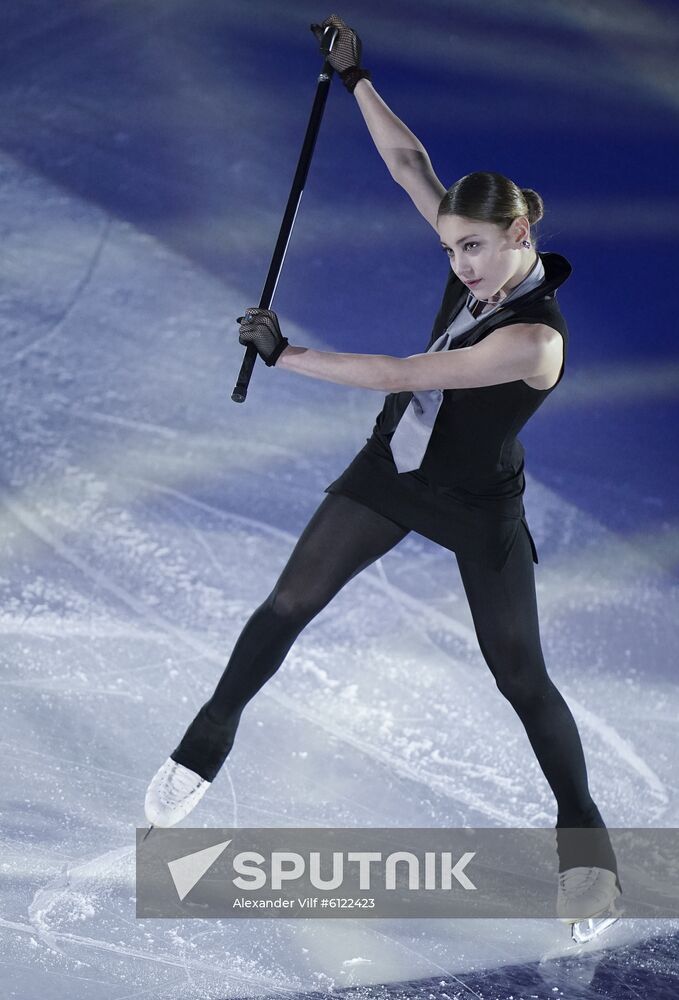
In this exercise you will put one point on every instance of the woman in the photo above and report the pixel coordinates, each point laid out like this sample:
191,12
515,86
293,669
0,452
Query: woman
443,460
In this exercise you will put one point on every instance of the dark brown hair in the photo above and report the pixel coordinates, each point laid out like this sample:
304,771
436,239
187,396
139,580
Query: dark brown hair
490,197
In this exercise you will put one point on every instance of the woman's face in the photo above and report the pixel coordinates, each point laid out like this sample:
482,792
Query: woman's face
482,255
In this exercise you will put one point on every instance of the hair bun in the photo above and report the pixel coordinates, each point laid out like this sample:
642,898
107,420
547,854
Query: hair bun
536,208
491,197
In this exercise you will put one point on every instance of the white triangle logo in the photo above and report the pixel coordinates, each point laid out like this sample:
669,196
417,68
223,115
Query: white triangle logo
187,871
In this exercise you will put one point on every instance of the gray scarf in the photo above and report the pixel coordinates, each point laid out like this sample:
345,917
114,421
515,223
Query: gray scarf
410,439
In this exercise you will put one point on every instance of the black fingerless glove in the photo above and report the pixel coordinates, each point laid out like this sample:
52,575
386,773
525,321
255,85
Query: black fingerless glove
260,328
345,57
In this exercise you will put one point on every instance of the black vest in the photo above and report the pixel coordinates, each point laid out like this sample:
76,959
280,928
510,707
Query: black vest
475,434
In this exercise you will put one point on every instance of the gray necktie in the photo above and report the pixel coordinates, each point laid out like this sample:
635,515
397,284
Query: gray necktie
410,439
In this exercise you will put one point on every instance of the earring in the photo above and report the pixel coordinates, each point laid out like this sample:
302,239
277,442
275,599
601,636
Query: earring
526,244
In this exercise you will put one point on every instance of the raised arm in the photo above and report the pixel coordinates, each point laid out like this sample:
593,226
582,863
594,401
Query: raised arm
406,158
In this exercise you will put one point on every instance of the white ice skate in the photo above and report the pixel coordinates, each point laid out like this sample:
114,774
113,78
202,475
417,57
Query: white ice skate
174,791
587,900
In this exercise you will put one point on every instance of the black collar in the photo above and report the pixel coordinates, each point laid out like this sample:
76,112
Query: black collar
557,270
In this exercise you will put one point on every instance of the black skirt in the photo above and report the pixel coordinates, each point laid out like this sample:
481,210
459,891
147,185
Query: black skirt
478,521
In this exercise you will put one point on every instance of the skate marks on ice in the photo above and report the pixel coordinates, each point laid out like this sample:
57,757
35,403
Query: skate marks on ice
388,759
616,970
57,324
88,894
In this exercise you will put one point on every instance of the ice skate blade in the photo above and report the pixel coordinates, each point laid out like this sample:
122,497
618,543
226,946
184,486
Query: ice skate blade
590,928
583,931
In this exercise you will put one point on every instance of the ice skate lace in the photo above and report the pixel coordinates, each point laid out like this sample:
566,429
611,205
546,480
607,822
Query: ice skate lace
179,783
573,879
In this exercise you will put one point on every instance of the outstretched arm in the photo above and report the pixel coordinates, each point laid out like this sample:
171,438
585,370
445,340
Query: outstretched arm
524,350
516,351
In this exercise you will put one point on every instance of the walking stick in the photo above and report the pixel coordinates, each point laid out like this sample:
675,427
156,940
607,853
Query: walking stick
327,41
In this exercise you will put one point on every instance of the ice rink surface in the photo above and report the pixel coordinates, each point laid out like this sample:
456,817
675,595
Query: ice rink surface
144,516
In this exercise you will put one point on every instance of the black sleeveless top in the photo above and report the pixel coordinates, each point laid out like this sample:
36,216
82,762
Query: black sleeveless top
467,493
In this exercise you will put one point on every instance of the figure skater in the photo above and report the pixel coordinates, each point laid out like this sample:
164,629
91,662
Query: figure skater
443,460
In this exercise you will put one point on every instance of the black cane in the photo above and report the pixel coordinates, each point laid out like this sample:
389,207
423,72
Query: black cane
327,41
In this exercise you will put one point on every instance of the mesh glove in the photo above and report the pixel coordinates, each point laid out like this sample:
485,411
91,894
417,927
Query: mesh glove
260,328
346,53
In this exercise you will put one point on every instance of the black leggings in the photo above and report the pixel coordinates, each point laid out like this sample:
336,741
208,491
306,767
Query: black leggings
342,538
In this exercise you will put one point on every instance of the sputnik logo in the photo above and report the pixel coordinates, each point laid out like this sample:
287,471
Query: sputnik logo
189,870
